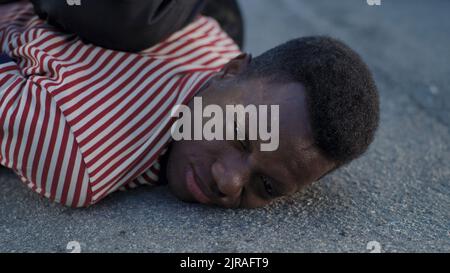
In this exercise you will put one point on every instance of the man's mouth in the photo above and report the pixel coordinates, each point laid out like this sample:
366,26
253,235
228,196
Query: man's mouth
195,188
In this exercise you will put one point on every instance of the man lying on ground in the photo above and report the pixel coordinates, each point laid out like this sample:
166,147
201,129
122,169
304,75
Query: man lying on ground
78,122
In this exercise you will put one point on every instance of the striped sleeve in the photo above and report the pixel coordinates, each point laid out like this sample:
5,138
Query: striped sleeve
36,142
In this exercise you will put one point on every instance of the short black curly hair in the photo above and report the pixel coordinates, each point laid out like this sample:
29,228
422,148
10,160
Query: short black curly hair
342,96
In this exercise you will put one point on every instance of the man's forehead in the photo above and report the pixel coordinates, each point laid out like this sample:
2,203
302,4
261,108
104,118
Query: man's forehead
296,149
297,159
297,154
291,162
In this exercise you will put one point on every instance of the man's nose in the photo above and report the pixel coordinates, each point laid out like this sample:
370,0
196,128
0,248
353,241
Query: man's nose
231,177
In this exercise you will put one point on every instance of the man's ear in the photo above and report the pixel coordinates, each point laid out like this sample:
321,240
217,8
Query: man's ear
236,65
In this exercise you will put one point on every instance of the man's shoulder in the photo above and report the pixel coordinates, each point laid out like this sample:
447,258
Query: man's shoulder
201,44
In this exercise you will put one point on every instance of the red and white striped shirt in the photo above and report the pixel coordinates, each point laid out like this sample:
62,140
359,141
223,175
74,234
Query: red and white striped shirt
77,121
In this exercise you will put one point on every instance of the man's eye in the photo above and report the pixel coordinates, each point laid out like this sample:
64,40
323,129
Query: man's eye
267,185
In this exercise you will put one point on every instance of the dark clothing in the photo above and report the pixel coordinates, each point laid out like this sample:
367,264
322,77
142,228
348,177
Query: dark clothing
127,25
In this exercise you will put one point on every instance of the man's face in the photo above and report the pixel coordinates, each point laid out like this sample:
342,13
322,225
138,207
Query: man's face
234,173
